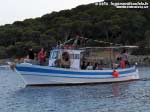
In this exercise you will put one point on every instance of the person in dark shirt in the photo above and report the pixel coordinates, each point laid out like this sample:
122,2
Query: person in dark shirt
30,55
84,65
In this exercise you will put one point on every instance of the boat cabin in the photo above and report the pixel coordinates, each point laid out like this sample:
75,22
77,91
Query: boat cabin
74,57
105,56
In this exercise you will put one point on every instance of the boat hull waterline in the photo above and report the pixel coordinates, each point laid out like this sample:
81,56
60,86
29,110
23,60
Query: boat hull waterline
42,75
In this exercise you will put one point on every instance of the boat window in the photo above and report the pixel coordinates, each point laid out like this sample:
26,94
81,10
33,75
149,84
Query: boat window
77,56
71,56
55,55
74,56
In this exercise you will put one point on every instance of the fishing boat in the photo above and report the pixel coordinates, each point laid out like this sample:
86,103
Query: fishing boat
55,74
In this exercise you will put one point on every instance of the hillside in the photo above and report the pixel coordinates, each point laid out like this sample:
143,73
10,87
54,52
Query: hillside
107,23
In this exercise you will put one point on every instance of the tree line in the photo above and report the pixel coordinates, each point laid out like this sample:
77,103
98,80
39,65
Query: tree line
106,23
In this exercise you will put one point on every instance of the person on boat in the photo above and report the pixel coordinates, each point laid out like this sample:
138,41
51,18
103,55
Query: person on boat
95,66
122,63
57,63
117,63
124,57
89,66
83,63
26,60
99,67
42,56
30,55
65,61
83,66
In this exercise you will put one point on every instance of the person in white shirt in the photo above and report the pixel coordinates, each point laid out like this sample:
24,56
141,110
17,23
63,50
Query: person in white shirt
89,66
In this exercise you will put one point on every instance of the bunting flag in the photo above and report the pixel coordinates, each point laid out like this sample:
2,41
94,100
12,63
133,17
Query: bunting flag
80,40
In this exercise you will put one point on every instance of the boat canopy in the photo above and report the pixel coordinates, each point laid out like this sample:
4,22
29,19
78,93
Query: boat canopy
110,47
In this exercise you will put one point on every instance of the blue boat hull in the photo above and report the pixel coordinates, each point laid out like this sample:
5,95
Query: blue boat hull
43,75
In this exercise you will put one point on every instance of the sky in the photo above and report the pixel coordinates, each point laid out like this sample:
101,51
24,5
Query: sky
18,10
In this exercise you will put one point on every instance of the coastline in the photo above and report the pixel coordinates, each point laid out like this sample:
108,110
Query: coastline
140,60
4,61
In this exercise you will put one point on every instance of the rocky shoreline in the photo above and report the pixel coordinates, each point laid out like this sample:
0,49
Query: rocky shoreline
140,60
3,62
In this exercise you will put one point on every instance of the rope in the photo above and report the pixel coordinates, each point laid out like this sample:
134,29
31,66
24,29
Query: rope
99,41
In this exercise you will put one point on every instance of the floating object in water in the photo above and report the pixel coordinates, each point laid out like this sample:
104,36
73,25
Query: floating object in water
115,73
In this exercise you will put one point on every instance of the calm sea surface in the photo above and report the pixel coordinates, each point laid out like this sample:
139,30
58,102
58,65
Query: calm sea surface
118,97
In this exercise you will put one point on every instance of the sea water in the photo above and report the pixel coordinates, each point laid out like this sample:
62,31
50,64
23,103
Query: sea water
133,96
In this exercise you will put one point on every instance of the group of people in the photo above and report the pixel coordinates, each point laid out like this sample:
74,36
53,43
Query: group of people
91,66
32,57
122,60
